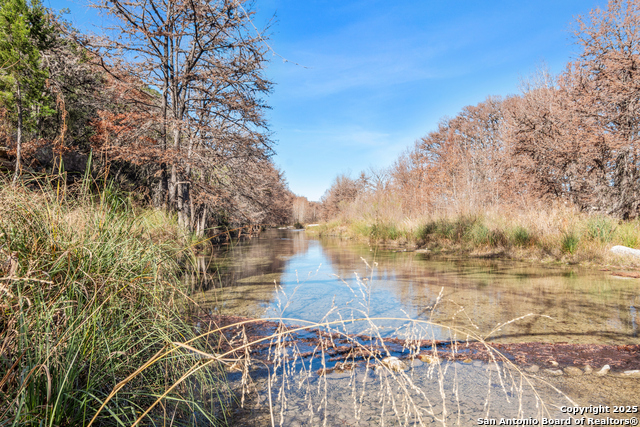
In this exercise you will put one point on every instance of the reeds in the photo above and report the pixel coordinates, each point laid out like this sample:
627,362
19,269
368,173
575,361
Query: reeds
93,296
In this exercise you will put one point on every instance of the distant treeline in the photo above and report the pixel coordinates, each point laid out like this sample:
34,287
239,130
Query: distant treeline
168,102
572,138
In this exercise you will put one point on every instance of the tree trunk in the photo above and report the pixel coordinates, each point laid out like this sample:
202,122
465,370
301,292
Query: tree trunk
626,195
200,222
178,111
19,137
160,198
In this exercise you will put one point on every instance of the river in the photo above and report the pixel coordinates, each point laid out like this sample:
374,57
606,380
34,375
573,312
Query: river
368,290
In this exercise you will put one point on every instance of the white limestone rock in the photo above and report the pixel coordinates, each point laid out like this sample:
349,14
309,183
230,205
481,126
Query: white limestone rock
623,250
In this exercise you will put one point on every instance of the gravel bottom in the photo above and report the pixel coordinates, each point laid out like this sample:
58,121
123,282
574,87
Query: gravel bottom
449,393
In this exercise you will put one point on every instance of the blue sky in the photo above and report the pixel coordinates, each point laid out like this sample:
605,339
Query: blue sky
381,74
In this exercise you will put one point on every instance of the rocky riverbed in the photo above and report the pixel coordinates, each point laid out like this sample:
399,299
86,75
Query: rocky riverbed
448,393
315,378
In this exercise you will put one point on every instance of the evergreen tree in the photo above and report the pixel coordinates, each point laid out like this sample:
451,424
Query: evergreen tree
24,33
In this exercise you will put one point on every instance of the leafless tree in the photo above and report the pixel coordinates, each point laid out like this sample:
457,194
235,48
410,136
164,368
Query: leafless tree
207,62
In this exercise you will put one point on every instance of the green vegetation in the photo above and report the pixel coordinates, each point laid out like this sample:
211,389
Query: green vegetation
562,234
569,242
600,228
24,32
520,236
89,292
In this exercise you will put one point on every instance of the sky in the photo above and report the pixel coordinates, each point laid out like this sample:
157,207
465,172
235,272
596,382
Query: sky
357,82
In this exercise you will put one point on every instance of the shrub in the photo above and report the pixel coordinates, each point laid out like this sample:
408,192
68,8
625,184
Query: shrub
600,229
569,242
498,238
384,231
479,234
520,236
628,234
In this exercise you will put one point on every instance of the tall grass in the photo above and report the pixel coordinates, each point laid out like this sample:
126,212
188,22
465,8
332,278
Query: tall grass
92,294
545,232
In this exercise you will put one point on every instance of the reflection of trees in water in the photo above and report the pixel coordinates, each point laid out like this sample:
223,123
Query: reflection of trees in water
229,264
586,306
240,277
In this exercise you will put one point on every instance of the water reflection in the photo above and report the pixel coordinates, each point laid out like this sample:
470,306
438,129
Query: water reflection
330,279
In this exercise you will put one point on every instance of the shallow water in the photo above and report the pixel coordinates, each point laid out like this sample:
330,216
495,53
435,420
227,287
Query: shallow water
286,274
450,394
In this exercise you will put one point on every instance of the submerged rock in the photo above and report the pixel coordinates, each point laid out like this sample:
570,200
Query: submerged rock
532,369
604,371
588,369
572,371
633,373
556,372
394,364
345,366
415,363
428,358
324,371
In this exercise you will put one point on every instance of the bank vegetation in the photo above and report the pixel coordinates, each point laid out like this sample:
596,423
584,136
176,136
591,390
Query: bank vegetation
169,103
117,153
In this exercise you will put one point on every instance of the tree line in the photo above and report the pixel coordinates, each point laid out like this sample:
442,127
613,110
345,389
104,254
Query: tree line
170,102
572,137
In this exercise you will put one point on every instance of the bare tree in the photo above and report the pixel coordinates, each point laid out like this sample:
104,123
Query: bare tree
605,93
207,62
343,191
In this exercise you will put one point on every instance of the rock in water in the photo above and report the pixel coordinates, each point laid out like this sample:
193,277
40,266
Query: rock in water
604,371
623,250
428,358
532,369
394,364
416,363
588,369
572,371
556,372
634,373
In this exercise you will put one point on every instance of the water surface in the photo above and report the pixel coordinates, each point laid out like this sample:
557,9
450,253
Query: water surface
286,274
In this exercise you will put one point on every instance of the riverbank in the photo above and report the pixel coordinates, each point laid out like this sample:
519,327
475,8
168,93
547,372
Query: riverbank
90,298
560,235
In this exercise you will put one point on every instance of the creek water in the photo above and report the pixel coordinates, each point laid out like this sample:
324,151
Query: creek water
285,274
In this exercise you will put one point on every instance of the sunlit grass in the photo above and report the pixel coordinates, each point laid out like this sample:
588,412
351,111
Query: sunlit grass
560,233
93,295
